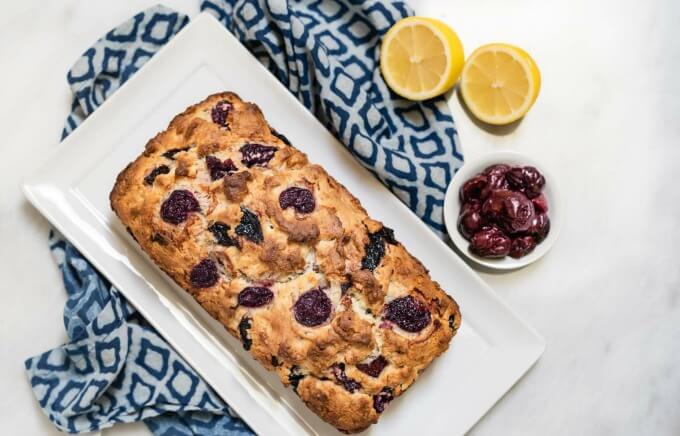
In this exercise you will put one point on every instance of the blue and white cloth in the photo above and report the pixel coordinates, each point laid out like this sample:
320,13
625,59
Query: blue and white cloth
326,52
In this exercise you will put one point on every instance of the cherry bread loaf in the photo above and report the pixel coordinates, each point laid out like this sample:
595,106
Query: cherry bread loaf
286,259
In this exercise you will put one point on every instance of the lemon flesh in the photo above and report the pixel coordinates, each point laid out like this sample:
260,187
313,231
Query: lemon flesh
421,58
500,83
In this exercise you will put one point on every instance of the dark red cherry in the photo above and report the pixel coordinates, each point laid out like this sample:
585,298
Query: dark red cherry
151,177
540,203
219,169
408,313
515,178
497,169
521,246
519,213
255,296
374,367
470,220
381,399
540,227
257,154
170,154
493,207
176,208
375,249
250,227
220,111
243,326
349,384
511,210
472,189
495,178
526,179
301,199
220,231
294,377
490,242
204,274
312,308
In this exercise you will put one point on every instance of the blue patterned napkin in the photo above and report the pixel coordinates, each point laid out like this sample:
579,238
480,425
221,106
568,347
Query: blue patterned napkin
116,367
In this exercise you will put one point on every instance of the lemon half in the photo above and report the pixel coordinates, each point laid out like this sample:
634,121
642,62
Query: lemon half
421,58
500,83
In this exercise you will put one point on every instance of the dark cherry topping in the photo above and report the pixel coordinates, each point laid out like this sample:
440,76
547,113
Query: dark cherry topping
374,367
473,188
220,111
521,246
490,242
257,154
281,136
219,169
470,220
255,296
301,199
408,313
294,377
452,322
375,249
381,399
221,233
243,328
176,208
204,274
151,177
349,384
388,235
249,227
170,154
312,308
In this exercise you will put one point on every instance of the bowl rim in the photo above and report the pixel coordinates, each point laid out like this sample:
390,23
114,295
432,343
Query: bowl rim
452,208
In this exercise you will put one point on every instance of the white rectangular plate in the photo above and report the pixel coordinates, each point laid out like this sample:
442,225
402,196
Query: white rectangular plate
492,350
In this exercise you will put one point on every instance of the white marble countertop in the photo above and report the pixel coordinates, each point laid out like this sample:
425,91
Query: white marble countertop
606,298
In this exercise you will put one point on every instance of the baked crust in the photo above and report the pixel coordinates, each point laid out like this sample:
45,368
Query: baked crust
323,249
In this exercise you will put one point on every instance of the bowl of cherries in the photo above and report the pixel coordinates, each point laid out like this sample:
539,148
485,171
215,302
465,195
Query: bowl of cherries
502,210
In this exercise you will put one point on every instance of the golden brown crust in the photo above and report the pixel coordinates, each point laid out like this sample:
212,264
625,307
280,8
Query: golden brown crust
322,249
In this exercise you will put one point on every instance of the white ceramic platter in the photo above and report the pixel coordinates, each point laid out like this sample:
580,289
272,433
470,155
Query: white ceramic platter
492,350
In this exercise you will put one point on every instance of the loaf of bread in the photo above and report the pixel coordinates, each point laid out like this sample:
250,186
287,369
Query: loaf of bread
286,259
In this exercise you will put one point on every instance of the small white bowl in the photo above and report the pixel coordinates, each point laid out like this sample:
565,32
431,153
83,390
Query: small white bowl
452,208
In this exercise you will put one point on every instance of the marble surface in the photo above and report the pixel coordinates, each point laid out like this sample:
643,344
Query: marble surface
606,298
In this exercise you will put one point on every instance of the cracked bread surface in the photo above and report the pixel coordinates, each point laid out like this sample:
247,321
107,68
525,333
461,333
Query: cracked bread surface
335,248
